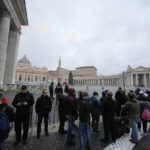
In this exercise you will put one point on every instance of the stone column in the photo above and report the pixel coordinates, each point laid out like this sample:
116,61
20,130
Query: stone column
136,78
131,82
24,76
145,82
102,82
11,58
4,32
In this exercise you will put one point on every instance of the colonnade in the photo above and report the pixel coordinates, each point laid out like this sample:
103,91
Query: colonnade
99,82
9,39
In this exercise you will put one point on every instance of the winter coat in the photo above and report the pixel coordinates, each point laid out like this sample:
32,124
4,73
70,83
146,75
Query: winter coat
108,108
85,109
118,96
43,105
23,109
59,90
51,88
95,105
132,107
72,106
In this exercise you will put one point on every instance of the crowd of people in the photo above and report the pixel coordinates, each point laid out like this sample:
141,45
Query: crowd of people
119,113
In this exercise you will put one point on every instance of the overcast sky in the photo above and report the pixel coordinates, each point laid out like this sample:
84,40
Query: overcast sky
109,34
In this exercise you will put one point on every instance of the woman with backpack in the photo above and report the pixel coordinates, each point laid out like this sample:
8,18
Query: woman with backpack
4,128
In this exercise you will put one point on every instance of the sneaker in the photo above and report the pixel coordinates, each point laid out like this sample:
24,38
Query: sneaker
16,143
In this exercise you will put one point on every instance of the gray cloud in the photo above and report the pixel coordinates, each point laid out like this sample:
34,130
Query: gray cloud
109,34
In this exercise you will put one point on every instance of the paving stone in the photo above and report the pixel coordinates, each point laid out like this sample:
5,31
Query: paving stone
55,141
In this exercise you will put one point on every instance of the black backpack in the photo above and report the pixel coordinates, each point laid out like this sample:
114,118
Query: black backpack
4,126
10,113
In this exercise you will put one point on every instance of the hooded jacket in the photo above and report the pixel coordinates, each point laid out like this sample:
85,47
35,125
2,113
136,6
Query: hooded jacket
132,107
85,109
72,103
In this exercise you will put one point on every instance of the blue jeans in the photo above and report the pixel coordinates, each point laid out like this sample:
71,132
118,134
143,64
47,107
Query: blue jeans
71,120
85,132
2,146
134,134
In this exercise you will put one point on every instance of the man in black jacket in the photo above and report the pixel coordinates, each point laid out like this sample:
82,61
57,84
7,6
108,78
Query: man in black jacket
23,102
43,106
108,112
119,98
85,110
58,92
51,90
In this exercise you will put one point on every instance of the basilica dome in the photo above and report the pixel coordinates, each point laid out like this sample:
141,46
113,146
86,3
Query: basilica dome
24,60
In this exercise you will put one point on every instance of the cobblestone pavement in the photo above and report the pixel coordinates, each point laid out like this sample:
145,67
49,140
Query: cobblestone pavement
123,143
144,143
55,141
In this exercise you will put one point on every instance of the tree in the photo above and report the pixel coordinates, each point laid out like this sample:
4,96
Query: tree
70,79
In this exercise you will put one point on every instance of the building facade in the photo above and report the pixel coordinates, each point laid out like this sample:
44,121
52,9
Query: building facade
13,15
26,73
82,76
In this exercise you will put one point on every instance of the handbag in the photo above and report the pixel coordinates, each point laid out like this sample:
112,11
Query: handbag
146,114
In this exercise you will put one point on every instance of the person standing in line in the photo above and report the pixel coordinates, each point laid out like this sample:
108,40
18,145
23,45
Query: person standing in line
58,92
118,97
108,112
43,106
51,91
132,107
72,116
4,122
85,109
95,112
3,99
4,102
23,102
62,111
66,88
